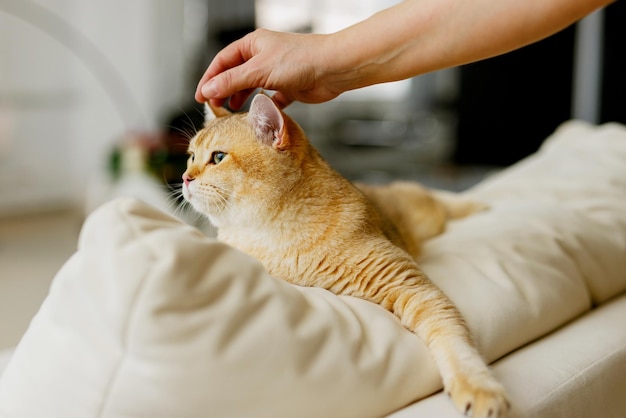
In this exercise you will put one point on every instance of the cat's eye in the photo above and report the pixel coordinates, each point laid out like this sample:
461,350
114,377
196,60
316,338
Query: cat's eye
217,157
192,156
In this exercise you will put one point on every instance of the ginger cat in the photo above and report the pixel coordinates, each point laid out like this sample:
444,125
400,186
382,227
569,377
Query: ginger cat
271,195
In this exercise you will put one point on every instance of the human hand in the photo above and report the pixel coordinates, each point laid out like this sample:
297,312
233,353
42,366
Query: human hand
293,65
405,40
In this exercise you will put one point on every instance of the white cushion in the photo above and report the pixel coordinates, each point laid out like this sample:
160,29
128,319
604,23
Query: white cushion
5,356
152,319
578,371
552,246
579,172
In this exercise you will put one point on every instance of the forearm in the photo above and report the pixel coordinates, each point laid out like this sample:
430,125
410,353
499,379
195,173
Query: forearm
414,37
419,36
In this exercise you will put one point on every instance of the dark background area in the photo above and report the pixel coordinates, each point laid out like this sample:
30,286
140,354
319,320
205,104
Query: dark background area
509,104
502,111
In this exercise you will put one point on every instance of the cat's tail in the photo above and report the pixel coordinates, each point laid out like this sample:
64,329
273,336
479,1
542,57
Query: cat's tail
457,205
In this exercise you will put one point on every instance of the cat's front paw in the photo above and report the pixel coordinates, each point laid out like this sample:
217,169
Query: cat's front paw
479,396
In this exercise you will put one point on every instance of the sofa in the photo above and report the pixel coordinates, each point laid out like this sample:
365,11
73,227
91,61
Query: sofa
152,318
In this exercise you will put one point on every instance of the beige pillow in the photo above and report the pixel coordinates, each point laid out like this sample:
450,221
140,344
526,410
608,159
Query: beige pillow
5,356
151,319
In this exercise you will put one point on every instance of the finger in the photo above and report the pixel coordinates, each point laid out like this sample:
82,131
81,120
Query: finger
233,55
238,99
239,82
198,95
217,102
230,56
226,84
281,100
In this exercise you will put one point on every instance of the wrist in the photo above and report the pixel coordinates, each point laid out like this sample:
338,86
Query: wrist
379,49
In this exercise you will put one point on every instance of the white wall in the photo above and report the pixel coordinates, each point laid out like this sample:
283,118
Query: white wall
75,75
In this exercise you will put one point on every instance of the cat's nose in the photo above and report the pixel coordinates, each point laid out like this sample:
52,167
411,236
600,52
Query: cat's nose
187,179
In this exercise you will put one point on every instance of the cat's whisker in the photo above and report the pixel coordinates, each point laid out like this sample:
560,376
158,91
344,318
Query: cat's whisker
178,208
199,111
175,187
190,121
177,204
221,201
190,127
175,195
187,135
225,196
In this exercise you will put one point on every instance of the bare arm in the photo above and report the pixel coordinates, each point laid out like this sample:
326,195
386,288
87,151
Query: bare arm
414,37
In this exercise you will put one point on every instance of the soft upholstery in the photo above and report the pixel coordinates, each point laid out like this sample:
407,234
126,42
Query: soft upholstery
5,356
579,371
552,245
152,319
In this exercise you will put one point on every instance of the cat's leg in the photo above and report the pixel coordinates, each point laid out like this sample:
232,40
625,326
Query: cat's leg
395,282
424,309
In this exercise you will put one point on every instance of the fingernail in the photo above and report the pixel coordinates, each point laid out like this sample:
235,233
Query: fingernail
209,90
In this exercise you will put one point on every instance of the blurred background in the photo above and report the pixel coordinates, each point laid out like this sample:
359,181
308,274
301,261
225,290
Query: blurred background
96,101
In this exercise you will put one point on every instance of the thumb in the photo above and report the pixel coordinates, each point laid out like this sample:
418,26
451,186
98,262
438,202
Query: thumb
210,90
282,100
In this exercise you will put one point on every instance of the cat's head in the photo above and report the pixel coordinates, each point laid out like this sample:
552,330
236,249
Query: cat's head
242,165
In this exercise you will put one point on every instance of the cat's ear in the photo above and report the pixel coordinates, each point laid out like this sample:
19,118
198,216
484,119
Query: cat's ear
211,113
268,121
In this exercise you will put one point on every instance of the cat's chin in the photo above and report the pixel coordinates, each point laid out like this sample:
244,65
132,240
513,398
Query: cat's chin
201,210
189,199
192,200
186,193
216,221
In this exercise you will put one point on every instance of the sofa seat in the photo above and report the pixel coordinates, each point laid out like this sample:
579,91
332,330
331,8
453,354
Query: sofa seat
151,318
577,371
